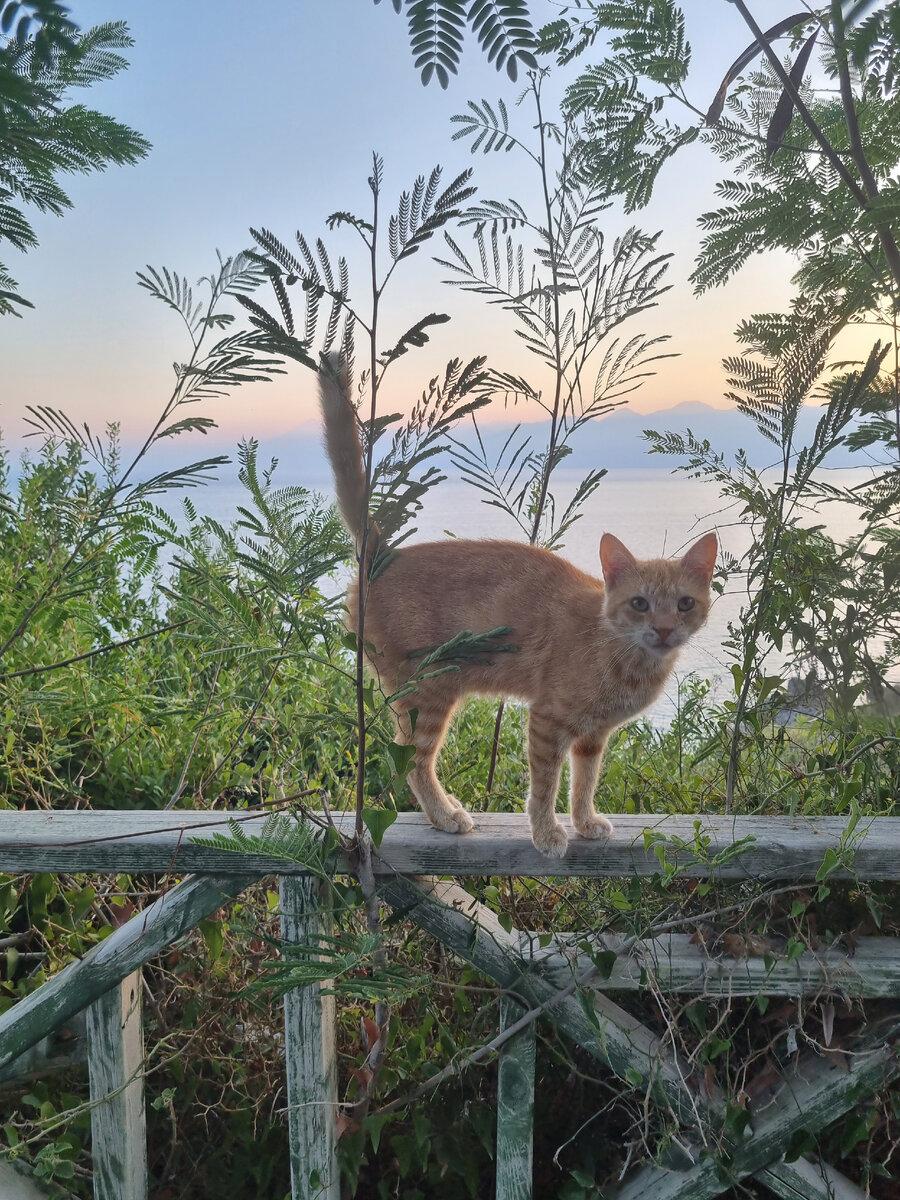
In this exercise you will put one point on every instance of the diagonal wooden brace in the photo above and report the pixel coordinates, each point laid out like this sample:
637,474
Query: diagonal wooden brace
815,1093
110,961
606,1031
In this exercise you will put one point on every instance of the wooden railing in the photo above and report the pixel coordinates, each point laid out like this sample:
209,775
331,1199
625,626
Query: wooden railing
813,1091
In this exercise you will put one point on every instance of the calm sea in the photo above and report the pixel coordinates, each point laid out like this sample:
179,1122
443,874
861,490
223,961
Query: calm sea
653,512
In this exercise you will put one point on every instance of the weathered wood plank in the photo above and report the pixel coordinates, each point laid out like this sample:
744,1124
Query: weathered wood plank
60,1051
677,965
17,1185
115,1066
310,1052
515,1107
810,1096
605,1030
805,1180
109,962
781,847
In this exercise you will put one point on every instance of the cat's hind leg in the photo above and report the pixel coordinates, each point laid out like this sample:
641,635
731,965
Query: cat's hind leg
442,810
547,745
587,754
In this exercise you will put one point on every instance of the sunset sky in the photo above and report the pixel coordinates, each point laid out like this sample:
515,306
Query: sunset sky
269,117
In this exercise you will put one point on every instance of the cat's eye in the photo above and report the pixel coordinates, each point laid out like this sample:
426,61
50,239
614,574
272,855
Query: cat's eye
640,603
686,603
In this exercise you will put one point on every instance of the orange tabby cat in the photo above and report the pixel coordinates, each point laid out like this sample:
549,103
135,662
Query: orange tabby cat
588,656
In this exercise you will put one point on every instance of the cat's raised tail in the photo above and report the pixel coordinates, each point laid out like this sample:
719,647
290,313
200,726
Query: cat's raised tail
345,451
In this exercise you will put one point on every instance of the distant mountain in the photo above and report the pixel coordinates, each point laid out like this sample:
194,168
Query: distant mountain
615,442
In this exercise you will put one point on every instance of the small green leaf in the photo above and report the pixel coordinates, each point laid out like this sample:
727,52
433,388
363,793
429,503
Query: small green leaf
214,937
633,1077
794,949
402,757
583,1178
378,821
604,961
829,862
802,1141
375,1123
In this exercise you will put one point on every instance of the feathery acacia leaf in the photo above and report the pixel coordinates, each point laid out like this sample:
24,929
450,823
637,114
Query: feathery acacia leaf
437,27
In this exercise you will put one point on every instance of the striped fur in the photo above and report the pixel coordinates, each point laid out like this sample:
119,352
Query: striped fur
588,658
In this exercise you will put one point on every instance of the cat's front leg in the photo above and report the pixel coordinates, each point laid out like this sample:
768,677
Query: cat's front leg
547,744
587,754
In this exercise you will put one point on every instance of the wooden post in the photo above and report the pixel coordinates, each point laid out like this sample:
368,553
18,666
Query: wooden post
515,1107
115,1065
309,1047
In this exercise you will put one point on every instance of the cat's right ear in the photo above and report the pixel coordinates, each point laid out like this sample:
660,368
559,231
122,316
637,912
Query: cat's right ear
615,559
700,560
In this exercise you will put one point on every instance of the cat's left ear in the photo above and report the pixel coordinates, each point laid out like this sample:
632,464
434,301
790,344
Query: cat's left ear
700,560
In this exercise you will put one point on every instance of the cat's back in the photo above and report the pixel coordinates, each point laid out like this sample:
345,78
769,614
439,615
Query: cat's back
431,590
491,564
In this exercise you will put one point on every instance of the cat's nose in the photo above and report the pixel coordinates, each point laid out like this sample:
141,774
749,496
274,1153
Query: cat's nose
663,631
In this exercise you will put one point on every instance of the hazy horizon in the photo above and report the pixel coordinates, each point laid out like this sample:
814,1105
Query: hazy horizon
249,129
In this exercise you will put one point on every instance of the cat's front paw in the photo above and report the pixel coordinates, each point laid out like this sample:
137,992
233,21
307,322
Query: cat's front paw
464,823
454,819
551,840
595,827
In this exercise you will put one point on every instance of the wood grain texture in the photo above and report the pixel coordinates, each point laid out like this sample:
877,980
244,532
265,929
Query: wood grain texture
17,1185
110,961
805,1180
59,1051
810,1096
677,965
515,1107
781,847
310,1052
115,1066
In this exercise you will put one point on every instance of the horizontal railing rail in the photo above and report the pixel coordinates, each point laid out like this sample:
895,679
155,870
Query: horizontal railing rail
764,847
105,983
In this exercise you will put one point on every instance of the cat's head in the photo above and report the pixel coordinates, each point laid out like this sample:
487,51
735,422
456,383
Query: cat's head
657,604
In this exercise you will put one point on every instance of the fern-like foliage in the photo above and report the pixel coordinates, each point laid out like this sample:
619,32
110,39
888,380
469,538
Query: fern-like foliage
291,838
43,58
123,507
437,30
569,292
329,319
625,139
407,471
634,114
349,964
873,43
253,589
771,391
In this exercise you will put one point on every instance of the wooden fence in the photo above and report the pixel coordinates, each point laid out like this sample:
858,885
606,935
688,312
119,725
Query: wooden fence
811,1091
